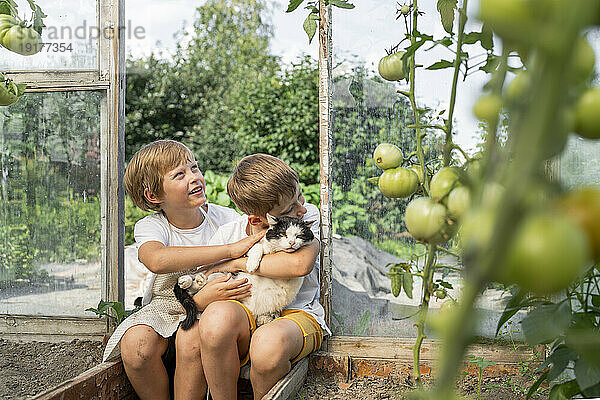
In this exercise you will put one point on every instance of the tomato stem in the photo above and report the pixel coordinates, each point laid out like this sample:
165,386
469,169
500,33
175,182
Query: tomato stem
449,145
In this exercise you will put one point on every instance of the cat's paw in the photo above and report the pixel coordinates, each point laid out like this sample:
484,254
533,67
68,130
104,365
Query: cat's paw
185,281
252,264
264,319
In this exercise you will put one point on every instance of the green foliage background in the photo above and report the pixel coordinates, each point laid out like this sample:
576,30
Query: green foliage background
225,96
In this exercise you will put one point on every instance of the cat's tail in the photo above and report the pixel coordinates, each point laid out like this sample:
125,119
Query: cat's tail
188,304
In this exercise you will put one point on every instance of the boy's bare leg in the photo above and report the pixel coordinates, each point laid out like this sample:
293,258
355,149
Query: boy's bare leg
141,351
189,375
225,338
272,348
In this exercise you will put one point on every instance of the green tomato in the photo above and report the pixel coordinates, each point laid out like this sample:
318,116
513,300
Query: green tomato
517,88
428,221
405,9
458,201
417,170
488,107
18,38
391,68
547,253
582,206
21,40
10,91
506,16
442,320
441,294
398,182
587,114
584,60
492,192
476,230
387,156
444,181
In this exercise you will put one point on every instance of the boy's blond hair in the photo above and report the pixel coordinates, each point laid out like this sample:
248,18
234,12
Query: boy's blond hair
148,167
259,182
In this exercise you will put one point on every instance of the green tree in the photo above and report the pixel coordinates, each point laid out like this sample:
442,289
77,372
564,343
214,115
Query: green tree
194,99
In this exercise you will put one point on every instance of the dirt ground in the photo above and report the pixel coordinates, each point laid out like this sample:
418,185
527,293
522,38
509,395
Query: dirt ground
27,369
318,387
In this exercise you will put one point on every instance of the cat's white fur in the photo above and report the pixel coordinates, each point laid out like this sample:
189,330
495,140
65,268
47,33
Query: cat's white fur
269,295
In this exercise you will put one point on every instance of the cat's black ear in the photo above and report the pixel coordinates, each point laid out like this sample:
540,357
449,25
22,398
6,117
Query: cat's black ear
271,219
309,223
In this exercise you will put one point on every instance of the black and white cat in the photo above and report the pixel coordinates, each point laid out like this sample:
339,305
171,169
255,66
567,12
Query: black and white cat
269,295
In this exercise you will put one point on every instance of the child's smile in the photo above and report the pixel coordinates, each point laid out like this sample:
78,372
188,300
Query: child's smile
184,187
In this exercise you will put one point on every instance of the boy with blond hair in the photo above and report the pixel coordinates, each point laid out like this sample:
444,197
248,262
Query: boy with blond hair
164,177
227,334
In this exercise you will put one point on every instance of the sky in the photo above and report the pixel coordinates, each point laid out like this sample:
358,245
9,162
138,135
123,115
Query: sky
359,34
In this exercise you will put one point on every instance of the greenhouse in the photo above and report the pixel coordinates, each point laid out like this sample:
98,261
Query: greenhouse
447,159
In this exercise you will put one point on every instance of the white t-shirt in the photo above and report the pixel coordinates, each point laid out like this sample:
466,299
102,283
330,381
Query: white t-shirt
307,298
156,228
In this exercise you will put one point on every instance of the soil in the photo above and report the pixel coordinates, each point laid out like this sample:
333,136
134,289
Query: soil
318,387
27,369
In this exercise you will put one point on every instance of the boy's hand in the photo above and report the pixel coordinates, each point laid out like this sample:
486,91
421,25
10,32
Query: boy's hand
233,266
240,248
222,289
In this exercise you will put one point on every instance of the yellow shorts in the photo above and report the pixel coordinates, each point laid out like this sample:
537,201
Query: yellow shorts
252,323
311,330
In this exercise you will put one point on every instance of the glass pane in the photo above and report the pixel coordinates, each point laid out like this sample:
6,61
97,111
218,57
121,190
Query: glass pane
369,228
70,38
50,204
580,163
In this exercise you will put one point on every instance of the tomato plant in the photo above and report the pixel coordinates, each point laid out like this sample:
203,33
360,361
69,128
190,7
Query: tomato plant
387,156
549,251
19,36
587,117
9,91
398,182
428,221
488,107
444,181
583,207
391,67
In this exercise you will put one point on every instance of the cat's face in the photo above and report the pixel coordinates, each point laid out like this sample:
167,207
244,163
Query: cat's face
289,233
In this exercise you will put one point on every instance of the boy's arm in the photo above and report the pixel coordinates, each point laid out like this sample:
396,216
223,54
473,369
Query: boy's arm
280,265
162,259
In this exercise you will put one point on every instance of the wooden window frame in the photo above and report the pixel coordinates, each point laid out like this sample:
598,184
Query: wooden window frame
109,78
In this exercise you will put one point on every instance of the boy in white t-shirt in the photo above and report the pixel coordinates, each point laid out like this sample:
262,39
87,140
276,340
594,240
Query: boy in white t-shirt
228,336
163,176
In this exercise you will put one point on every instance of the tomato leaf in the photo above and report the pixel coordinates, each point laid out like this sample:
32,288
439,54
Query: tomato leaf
586,342
21,89
564,391
446,9
340,3
491,64
8,7
596,300
374,180
546,323
407,284
559,359
587,375
487,38
512,307
38,16
310,25
441,65
536,385
293,5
